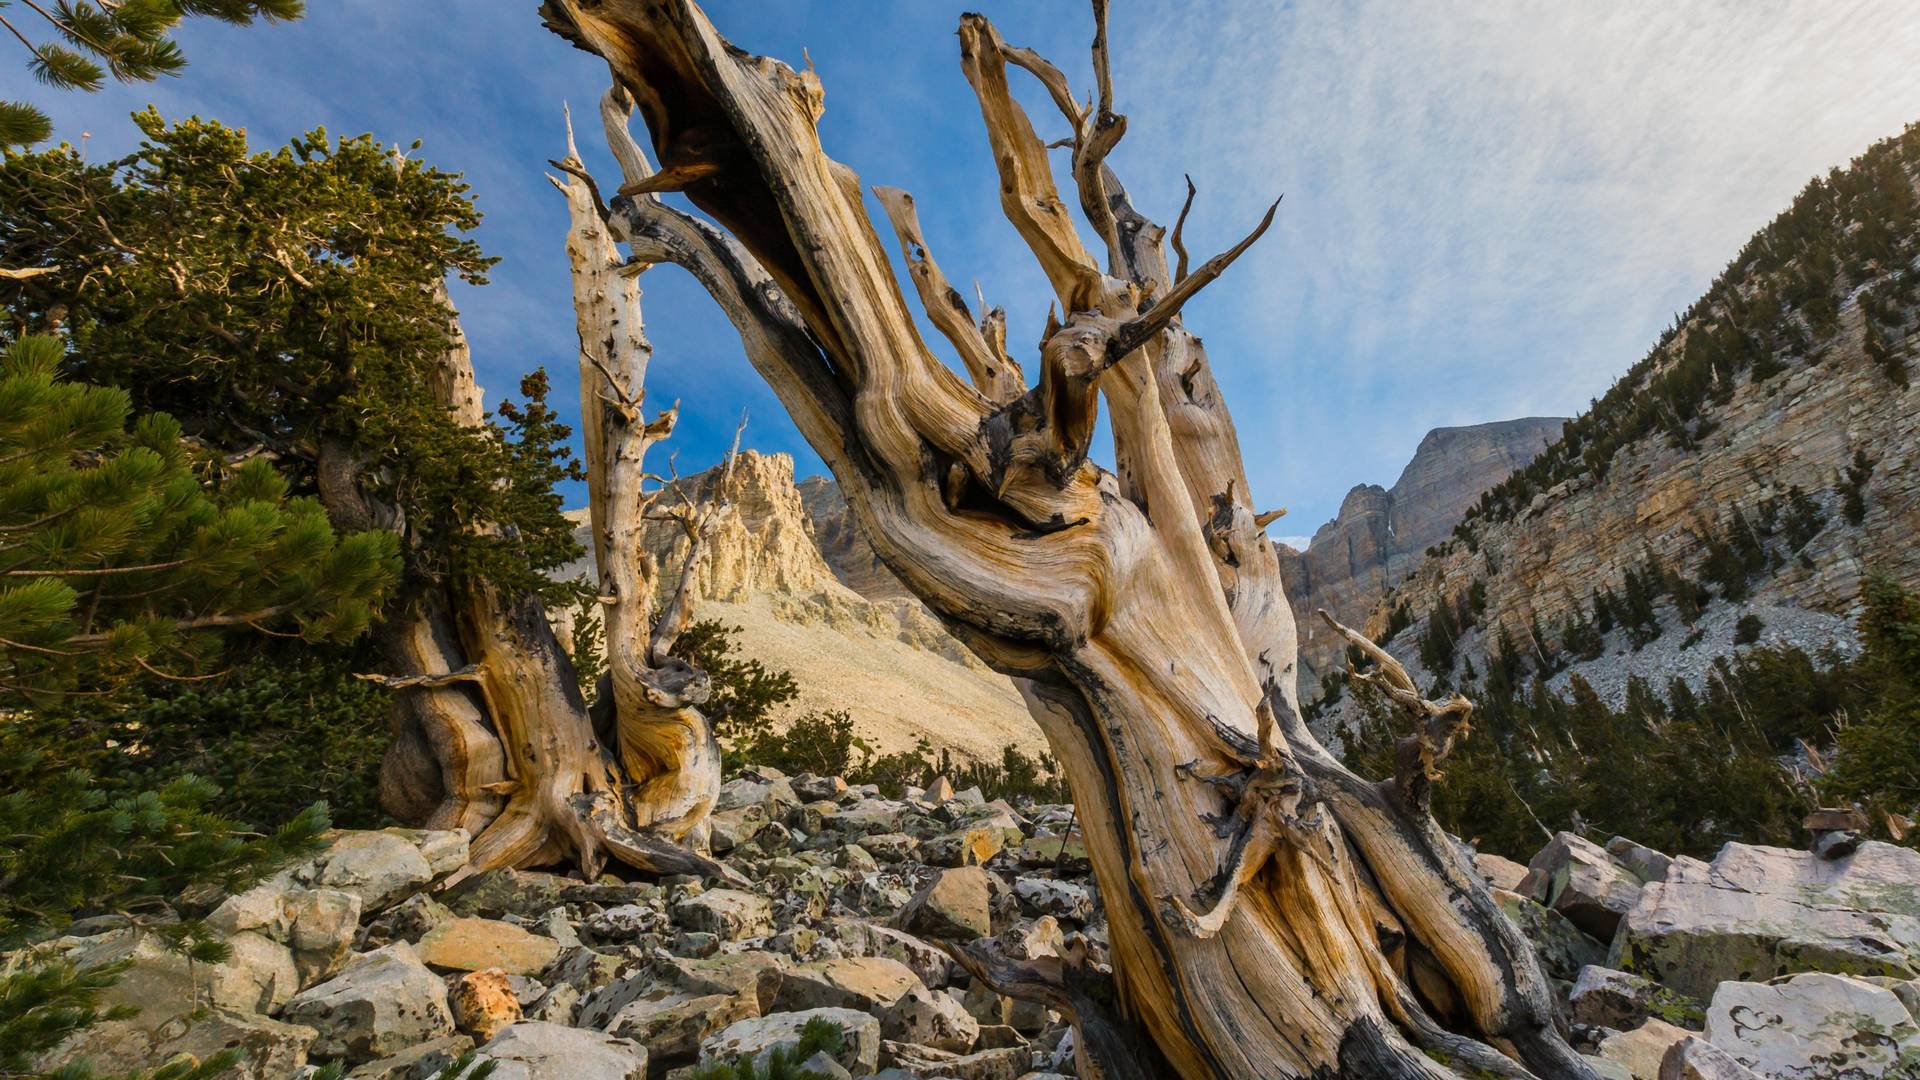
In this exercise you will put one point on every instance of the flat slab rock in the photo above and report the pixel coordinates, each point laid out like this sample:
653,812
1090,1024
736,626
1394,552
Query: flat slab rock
1816,1026
532,1050
1756,913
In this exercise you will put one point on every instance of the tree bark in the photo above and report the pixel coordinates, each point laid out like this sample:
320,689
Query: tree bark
1271,914
492,732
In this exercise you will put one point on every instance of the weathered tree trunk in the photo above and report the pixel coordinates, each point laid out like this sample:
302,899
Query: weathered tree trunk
493,734
1271,914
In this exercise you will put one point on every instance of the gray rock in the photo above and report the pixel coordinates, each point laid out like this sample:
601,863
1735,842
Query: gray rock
1698,1059
757,973
1500,872
955,903
758,1037
324,922
379,867
727,913
1756,913
416,1062
532,1050
1563,949
1578,879
1603,997
672,1024
867,983
928,1018
1815,1026
377,1005
269,1049
495,893
928,1063
1639,860
1061,899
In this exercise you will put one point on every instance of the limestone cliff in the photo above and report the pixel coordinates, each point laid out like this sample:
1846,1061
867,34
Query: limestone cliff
881,656
1762,455
1381,534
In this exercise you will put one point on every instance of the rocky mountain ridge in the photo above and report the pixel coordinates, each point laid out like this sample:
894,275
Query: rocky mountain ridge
1382,534
1760,461
853,640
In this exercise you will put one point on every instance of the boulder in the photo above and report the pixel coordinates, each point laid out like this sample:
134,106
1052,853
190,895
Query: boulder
380,868
1815,1026
867,983
1562,948
162,983
964,847
758,974
269,1048
926,1062
425,1059
727,913
1640,1051
1603,997
1500,872
532,1050
928,1018
494,893
324,922
1578,879
672,1025
955,903
1639,860
380,1003
574,976
1061,899
756,1038
1755,913
891,847
861,938
1697,1059
484,1003
477,944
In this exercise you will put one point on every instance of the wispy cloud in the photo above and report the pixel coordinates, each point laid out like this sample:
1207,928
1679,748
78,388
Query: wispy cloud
1492,206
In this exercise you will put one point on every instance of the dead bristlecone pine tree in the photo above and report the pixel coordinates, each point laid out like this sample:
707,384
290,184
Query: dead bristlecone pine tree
1272,914
493,734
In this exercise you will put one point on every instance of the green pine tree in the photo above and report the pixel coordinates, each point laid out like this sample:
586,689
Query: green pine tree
120,542
76,44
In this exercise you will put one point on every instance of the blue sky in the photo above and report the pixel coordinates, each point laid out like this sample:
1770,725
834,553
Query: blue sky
1492,206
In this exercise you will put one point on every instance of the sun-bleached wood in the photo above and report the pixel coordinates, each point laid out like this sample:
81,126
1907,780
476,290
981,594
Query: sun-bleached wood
1271,914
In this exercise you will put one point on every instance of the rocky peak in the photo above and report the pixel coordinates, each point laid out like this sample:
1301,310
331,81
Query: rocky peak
843,545
765,545
1381,534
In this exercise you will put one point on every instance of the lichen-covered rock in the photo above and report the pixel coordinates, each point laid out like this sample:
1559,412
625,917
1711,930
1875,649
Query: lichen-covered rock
532,1050
379,867
672,1024
867,983
1500,872
928,1018
270,1049
729,914
377,1005
1755,913
1060,899
758,974
926,1062
954,903
495,893
425,1059
1578,879
1698,1059
1815,1026
1562,948
1620,1000
758,1037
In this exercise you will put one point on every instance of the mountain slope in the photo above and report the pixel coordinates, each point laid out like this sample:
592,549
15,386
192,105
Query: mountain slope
1761,454
1381,534
885,659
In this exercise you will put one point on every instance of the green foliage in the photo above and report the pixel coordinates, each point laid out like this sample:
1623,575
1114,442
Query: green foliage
783,1063
1853,489
123,548
303,316
1685,771
1804,518
822,743
1399,617
69,848
1767,312
746,693
286,727
1747,630
80,42
1439,640
1877,758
